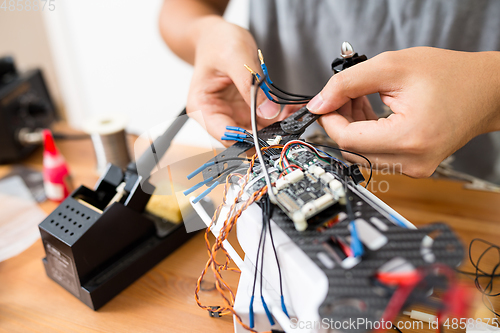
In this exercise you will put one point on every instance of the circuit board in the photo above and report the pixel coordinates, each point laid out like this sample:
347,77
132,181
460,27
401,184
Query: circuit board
363,247
307,190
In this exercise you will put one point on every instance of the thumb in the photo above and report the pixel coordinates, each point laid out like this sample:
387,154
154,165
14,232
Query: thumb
371,76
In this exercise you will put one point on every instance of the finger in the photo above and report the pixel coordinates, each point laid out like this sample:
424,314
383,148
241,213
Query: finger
370,136
368,77
358,113
218,123
368,110
346,111
395,164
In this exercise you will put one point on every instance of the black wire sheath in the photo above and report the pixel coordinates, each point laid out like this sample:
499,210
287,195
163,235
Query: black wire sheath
267,215
257,260
264,227
288,98
293,95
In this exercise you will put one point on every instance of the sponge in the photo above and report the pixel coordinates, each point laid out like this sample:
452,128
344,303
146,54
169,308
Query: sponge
168,207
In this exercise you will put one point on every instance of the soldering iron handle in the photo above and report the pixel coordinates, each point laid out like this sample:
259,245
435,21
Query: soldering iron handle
145,164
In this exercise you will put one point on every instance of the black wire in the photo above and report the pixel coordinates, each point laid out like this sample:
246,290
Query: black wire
291,94
257,260
231,159
305,100
287,103
226,172
264,227
474,274
268,215
348,199
479,273
396,328
262,142
349,152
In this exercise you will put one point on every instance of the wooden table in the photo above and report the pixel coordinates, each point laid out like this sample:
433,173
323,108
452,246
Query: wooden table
162,300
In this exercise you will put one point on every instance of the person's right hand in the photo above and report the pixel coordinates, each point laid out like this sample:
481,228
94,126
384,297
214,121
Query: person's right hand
441,99
220,87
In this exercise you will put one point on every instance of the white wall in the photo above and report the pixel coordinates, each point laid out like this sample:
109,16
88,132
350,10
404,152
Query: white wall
110,58
23,36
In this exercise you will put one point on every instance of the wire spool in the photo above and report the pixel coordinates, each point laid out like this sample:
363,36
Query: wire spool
109,140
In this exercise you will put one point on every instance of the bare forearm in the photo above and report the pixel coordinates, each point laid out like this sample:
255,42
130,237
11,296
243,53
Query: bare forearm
494,74
181,22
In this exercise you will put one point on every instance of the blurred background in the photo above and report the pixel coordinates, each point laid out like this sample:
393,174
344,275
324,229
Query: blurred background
101,57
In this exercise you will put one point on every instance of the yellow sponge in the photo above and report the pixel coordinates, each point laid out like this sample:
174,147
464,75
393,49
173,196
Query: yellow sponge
168,207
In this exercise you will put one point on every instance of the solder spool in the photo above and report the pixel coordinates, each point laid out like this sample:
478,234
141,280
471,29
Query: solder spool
109,140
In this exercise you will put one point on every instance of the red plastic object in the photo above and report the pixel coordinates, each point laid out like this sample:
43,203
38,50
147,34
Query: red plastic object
56,177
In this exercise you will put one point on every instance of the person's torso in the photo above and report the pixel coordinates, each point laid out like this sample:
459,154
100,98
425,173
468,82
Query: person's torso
301,38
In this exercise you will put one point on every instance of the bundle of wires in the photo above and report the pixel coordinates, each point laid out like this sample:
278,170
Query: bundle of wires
235,210
480,274
247,137
349,152
272,92
238,205
266,225
285,164
221,175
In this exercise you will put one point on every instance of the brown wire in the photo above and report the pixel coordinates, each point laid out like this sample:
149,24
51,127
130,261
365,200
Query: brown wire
217,268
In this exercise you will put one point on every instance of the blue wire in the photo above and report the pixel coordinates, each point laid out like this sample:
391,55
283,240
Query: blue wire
356,246
399,222
265,89
333,158
250,313
207,191
234,128
283,306
197,171
235,135
231,139
266,74
268,313
197,186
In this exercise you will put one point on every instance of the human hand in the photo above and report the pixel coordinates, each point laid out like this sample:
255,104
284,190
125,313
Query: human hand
441,99
220,87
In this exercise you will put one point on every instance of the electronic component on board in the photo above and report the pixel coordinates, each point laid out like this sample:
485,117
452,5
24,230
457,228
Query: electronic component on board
327,222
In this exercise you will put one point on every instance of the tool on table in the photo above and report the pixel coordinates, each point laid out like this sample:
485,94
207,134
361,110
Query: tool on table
98,241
